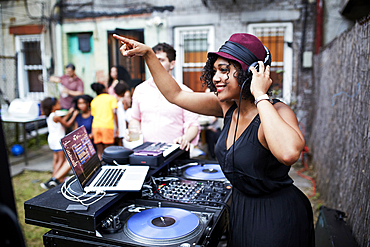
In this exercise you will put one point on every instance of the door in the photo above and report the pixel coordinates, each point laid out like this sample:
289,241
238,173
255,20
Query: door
134,66
81,54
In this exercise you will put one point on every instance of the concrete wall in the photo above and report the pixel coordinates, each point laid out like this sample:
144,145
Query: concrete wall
14,14
333,22
340,137
225,16
100,28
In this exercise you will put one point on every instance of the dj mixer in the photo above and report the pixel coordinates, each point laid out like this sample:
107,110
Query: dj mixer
180,205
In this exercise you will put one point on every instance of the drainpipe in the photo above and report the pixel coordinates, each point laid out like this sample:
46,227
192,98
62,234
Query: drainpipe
58,41
319,24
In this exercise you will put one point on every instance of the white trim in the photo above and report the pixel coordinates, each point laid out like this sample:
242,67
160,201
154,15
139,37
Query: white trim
22,76
192,64
288,55
59,70
179,41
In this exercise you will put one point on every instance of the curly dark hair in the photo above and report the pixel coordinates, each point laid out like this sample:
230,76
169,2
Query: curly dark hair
240,75
85,97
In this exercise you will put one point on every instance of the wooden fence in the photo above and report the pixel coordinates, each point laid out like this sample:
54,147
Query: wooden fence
340,137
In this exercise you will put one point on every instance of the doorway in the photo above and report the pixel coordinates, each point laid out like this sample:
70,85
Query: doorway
134,67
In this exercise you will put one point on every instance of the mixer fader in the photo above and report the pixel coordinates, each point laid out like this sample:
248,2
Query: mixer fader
210,193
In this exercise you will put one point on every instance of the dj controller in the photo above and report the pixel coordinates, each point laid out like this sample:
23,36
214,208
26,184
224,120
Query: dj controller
184,205
202,184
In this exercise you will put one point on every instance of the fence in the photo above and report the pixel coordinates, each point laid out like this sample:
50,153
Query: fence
8,80
340,137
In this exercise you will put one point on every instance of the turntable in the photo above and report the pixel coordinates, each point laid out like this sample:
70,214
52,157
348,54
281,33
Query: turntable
165,226
155,224
204,172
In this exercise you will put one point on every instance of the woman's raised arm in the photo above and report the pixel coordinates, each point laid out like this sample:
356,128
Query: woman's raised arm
202,103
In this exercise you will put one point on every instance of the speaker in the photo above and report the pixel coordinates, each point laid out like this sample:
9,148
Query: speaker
331,229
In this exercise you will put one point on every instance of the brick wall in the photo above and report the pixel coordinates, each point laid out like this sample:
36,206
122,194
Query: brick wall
340,138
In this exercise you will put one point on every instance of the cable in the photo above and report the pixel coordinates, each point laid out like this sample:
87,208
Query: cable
65,190
237,122
28,12
305,168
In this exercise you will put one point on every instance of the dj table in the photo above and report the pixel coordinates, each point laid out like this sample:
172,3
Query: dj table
183,203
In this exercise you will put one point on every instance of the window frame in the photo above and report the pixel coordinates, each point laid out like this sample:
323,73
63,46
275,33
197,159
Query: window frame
23,85
287,57
179,47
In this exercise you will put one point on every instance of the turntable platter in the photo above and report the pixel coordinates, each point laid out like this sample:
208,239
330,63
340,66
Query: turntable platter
205,172
162,223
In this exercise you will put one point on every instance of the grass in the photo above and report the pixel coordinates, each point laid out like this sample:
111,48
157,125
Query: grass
26,186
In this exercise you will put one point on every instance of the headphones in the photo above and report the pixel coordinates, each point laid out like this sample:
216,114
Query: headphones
245,55
266,62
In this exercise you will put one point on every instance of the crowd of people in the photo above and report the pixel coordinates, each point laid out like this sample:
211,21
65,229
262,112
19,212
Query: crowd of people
105,116
114,113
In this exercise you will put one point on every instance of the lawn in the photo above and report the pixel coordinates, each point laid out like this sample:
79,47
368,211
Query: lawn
26,186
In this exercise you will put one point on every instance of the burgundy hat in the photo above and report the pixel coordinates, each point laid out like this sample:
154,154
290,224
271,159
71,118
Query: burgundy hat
243,48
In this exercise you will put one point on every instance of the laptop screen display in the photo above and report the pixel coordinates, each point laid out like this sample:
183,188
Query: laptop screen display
81,154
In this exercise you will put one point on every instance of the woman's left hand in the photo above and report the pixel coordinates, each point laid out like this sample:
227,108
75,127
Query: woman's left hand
261,80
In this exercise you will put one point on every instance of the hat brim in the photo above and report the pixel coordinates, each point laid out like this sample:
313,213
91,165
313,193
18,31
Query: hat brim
227,56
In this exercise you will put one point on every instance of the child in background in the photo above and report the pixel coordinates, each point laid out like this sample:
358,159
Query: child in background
84,117
103,109
123,109
56,128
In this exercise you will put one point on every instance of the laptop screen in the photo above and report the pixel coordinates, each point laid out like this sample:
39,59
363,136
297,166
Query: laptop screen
81,154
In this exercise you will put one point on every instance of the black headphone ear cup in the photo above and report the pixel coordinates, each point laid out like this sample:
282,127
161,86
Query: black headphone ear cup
267,58
254,64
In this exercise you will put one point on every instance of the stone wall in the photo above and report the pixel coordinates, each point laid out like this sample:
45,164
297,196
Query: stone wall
340,138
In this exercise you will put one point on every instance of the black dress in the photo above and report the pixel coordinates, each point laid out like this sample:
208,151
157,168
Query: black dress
267,209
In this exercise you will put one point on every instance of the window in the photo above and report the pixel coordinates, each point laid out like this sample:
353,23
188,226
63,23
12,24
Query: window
192,45
30,69
277,37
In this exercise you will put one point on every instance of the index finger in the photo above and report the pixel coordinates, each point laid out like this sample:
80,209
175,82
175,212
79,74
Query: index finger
121,38
267,70
262,66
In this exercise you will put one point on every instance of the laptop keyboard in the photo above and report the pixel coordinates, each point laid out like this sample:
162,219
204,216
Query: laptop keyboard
110,178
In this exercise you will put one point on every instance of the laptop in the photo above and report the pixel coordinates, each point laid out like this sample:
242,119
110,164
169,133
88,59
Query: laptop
91,174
